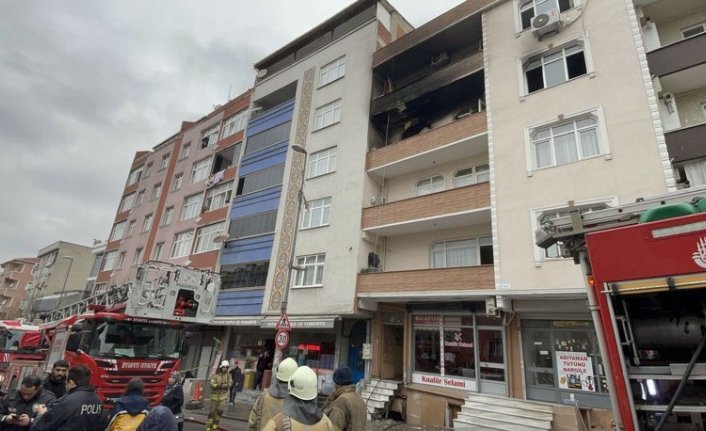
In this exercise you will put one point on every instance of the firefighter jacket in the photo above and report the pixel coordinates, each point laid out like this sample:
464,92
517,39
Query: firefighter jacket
346,409
220,386
267,405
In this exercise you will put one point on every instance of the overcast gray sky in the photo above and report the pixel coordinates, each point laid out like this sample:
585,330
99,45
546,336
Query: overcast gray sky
84,84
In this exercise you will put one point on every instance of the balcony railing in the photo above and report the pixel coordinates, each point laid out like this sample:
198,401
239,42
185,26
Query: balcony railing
472,125
435,205
686,143
678,56
420,280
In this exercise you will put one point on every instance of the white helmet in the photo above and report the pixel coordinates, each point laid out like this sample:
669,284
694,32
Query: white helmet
225,363
286,368
303,384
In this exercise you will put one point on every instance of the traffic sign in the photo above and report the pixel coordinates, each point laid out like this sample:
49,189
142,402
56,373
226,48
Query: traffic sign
283,323
282,339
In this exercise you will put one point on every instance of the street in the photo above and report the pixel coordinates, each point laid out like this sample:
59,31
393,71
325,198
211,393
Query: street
226,424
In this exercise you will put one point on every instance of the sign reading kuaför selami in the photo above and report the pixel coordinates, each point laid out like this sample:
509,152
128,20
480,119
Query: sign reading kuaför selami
445,381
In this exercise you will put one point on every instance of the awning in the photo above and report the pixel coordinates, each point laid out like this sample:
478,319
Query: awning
303,321
237,320
431,295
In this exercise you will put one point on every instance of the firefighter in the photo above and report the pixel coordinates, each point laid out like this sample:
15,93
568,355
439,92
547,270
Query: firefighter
270,402
300,411
344,406
220,388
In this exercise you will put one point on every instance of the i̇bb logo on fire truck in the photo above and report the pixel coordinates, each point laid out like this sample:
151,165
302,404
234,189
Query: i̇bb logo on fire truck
699,255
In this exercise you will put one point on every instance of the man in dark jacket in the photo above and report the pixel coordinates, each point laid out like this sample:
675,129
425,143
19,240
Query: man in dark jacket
79,410
56,381
173,398
264,363
344,406
18,406
160,418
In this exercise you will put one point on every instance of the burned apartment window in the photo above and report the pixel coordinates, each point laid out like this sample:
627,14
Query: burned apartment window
226,158
554,68
244,275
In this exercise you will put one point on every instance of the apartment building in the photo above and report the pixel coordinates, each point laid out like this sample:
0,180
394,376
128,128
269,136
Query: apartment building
175,205
58,278
14,280
301,181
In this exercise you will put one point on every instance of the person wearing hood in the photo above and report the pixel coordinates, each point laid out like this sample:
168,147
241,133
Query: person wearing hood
159,418
131,408
344,406
173,398
270,402
220,389
300,411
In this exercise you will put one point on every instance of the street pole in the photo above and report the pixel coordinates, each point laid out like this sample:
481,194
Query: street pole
66,279
279,352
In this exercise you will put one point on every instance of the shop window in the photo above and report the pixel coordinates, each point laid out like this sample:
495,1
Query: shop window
458,358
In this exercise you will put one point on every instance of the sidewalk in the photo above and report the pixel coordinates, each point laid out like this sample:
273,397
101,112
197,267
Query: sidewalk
240,411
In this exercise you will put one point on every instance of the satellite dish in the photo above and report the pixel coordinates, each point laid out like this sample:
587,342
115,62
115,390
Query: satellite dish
262,73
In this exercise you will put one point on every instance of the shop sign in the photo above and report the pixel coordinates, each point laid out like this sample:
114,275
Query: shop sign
427,319
575,371
445,382
571,324
329,323
236,322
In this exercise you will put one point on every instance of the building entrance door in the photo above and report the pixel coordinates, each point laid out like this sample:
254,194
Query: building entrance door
491,360
392,351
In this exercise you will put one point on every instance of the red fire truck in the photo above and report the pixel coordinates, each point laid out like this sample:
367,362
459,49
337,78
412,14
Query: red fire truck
19,344
645,267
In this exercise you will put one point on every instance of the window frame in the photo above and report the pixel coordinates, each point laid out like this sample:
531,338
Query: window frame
212,133
476,243
324,206
318,267
334,108
540,56
317,158
147,223
211,195
140,197
203,165
137,258
239,117
334,65
130,197
180,243
195,204
185,151
201,238
168,216
178,181
156,191
474,175
431,179
134,176
702,25
109,259
158,250
121,259
118,227
164,163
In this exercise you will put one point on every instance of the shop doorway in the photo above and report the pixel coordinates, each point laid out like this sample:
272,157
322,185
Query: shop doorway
392,351
491,361
355,350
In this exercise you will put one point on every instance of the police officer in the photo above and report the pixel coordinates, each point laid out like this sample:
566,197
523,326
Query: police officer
270,402
18,407
300,411
79,410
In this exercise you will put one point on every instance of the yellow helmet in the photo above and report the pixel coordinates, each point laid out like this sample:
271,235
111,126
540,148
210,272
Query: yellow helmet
303,384
286,368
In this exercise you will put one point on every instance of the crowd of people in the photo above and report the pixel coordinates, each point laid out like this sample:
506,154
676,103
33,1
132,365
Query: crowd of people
65,400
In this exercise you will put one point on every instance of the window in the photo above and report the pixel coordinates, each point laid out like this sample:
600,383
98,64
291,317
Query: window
185,150
127,203
130,228
332,71
121,259
456,357
201,170
218,197
548,215
260,180
137,258
318,213
235,123
148,168
209,136
565,142
118,231
182,244
244,275
472,175
554,68
165,162
467,252
168,215
257,224
147,225
192,205
109,260
140,198
694,30
531,8
322,162
268,137
327,114
178,179
156,191
134,176
311,270
429,185
205,236
158,250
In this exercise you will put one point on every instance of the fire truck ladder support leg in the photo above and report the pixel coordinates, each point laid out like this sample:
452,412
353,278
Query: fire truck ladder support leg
682,384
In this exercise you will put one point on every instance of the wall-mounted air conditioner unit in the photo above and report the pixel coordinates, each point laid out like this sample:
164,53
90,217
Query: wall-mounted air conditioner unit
546,23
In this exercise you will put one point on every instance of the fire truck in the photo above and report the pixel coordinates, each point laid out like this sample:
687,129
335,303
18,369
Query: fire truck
133,330
645,268
20,344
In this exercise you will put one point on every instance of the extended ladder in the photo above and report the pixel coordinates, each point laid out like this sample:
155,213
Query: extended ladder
111,297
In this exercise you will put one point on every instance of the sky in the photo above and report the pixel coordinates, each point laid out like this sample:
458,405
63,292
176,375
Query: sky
85,84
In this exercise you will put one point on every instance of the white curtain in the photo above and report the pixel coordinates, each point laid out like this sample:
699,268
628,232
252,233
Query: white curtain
589,142
565,149
696,172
